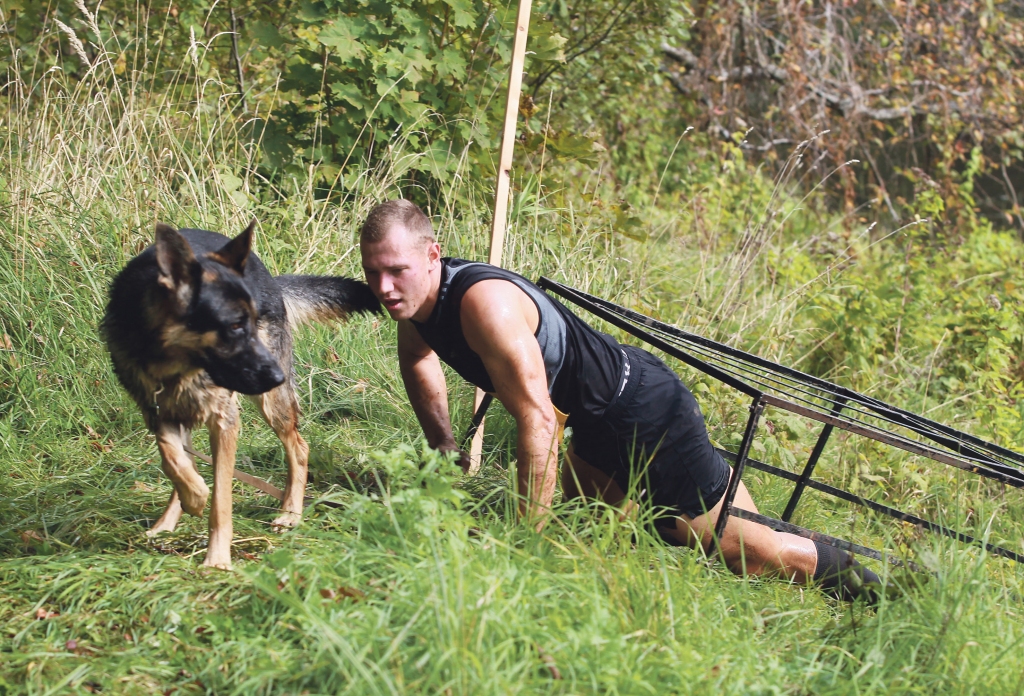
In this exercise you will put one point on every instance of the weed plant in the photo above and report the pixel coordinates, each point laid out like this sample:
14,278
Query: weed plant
422,581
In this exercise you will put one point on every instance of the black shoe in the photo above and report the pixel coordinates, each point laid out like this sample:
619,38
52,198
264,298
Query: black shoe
840,574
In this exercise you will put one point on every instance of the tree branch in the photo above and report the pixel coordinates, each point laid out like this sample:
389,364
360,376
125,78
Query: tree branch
680,55
745,72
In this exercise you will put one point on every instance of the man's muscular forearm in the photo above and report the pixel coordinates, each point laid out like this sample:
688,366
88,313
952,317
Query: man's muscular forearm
425,385
537,465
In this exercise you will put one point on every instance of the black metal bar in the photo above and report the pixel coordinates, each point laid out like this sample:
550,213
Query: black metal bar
888,438
478,418
789,528
947,437
768,379
893,441
760,466
659,343
910,421
547,283
756,408
764,380
914,519
877,507
954,439
805,475
596,306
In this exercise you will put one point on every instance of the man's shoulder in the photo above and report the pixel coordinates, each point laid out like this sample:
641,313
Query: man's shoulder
471,278
466,268
494,305
482,295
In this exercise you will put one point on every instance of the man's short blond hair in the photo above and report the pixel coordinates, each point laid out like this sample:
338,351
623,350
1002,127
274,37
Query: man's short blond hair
398,213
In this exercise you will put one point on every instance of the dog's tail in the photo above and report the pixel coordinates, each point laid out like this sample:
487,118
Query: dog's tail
324,298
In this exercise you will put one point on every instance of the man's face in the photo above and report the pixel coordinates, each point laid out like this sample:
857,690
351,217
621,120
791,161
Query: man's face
403,271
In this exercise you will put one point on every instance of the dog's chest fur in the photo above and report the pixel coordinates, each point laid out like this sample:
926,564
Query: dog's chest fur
195,399
190,399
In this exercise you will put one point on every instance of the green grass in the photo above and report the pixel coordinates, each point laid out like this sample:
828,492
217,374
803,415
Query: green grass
422,581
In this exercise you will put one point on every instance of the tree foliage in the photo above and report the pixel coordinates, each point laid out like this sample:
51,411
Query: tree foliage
923,94
331,83
926,94
351,74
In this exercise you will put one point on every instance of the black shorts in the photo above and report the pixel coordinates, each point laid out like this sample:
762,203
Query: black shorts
653,437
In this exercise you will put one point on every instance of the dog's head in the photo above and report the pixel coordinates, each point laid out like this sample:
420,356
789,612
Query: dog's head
214,313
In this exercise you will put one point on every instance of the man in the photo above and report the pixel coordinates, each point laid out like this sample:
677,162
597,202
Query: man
635,425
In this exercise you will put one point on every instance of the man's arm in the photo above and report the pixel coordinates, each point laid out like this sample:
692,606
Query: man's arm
425,385
496,320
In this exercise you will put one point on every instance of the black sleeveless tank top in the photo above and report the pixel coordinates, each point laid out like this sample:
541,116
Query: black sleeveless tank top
584,367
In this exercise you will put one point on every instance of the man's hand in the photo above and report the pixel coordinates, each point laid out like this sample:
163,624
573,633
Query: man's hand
499,321
462,460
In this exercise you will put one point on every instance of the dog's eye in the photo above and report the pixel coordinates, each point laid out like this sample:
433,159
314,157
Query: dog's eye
238,327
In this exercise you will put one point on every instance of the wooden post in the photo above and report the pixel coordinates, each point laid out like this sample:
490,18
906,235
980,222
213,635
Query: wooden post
501,195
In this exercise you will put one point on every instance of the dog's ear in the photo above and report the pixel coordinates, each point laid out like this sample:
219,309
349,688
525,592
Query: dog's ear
174,257
235,253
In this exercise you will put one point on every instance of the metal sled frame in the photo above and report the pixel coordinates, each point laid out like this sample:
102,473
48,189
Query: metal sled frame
769,384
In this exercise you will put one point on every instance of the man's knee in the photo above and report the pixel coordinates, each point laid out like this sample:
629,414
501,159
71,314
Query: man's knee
570,487
745,547
582,479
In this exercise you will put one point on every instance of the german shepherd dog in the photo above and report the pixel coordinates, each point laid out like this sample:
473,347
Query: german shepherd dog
195,318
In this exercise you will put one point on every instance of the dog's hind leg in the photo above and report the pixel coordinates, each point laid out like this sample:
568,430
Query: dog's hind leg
224,427
280,409
190,489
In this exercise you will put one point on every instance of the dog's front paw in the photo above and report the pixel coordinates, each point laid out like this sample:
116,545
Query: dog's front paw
219,565
169,520
286,520
215,558
154,531
193,496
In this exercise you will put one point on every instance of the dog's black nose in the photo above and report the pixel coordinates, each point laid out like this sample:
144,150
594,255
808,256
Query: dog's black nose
268,376
275,375
252,372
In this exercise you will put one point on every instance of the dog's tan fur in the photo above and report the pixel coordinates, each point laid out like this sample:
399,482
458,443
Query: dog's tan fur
156,355
192,399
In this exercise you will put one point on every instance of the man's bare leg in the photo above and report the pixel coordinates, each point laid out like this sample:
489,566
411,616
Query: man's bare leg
750,547
746,546
581,480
